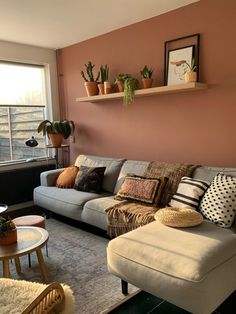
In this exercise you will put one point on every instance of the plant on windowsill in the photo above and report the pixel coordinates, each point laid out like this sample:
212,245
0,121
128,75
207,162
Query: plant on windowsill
8,232
127,84
190,73
57,130
90,82
146,74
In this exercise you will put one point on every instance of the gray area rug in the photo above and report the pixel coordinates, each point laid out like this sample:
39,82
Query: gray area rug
78,259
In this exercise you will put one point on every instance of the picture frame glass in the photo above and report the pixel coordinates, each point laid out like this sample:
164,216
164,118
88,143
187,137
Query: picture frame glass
177,66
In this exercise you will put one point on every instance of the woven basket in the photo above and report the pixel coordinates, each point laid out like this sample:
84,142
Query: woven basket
179,217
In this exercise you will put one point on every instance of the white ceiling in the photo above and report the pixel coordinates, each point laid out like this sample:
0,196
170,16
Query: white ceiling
60,23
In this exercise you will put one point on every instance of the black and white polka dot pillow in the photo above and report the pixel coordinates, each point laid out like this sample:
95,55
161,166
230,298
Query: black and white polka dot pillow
219,202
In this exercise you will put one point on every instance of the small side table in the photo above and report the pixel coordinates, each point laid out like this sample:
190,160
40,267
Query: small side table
61,159
29,239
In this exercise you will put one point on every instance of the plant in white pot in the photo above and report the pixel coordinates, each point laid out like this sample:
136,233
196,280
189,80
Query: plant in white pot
191,72
57,130
91,83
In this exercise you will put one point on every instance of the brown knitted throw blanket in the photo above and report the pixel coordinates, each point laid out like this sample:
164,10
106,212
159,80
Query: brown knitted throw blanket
126,216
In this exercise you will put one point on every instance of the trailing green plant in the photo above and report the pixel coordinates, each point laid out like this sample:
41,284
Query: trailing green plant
89,76
64,127
146,72
130,85
104,72
6,224
191,67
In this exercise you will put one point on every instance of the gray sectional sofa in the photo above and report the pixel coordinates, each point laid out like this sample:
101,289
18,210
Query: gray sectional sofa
193,268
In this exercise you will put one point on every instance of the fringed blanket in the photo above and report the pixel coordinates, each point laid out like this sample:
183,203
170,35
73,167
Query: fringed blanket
127,215
174,173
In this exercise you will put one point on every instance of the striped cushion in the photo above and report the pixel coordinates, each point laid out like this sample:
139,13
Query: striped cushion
189,193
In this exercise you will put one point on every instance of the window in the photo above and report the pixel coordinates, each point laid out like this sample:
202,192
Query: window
22,107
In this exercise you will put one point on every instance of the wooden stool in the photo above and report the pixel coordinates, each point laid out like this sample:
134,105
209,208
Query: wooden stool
33,221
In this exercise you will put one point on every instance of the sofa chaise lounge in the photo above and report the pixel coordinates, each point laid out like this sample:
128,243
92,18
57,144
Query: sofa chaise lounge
193,268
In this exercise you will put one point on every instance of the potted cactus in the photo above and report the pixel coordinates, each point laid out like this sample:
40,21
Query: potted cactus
8,232
146,74
104,86
90,82
128,84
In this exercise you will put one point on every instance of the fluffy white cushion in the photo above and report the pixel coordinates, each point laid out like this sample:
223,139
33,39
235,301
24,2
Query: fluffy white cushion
219,202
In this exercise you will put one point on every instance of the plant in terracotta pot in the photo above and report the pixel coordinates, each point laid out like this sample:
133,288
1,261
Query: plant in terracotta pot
8,232
146,74
105,86
57,130
90,83
190,73
128,84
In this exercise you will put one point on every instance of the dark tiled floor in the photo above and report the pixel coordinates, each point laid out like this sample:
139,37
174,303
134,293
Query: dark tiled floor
145,303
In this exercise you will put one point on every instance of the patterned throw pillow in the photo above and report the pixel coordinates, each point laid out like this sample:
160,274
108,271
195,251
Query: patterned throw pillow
219,202
66,178
189,193
141,189
89,179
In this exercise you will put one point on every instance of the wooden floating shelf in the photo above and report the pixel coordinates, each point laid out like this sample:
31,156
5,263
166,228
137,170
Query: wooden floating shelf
172,89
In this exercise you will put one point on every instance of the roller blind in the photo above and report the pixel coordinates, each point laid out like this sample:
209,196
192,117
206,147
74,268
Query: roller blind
22,85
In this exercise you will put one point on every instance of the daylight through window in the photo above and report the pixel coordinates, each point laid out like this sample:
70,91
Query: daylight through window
22,107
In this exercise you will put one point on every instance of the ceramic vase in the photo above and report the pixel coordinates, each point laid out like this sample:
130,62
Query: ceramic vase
147,82
190,77
10,237
101,88
107,87
56,139
91,88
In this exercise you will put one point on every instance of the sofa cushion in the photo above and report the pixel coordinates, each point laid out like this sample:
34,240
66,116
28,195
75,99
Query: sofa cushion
208,173
219,201
130,166
89,179
113,166
94,211
189,254
189,193
66,178
66,202
141,189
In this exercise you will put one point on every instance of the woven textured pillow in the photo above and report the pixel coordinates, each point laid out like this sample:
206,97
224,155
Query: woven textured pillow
189,193
89,179
179,217
66,178
219,202
141,189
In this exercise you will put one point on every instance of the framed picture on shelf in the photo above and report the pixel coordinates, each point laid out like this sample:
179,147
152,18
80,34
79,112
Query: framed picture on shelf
178,54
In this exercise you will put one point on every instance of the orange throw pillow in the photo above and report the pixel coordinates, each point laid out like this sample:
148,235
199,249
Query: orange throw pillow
66,178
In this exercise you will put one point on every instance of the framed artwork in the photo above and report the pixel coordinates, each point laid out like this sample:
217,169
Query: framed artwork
177,65
177,53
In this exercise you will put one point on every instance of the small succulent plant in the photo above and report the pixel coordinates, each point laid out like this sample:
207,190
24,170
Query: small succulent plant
104,72
146,72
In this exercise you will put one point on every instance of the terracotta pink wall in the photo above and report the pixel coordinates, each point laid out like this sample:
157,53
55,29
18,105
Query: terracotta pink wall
197,127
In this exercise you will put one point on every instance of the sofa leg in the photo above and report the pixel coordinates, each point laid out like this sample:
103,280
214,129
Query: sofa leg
124,287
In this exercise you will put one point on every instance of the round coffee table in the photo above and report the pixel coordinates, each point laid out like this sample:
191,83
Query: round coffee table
29,239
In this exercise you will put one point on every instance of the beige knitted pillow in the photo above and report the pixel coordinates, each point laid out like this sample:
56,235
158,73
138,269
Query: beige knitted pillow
179,217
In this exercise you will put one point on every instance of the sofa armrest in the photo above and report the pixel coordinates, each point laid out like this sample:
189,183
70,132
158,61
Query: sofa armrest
48,178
